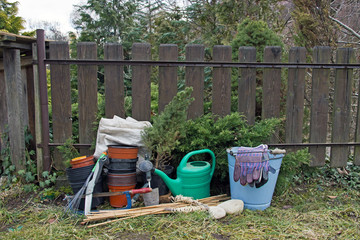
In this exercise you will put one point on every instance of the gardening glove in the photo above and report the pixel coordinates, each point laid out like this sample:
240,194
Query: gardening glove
265,174
250,164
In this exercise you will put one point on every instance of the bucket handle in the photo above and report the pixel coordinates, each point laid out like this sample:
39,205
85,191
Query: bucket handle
190,154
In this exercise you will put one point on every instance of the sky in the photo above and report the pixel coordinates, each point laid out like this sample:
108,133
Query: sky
48,10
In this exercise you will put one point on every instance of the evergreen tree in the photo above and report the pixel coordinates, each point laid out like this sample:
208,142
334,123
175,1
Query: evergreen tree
312,24
256,34
9,22
109,21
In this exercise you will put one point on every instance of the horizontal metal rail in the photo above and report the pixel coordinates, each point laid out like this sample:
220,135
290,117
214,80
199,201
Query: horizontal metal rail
84,145
200,64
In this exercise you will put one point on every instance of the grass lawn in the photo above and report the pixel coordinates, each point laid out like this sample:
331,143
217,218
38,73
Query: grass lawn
316,210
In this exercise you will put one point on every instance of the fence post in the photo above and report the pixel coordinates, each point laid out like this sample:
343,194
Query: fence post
295,97
167,75
221,96
44,108
114,81
141,83
271,87
319,106
16,115
60,99
247,84
195,78
87,88
342,108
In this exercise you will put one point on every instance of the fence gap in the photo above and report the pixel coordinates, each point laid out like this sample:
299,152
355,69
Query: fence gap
247,84
295,97
29,75
87,88
271,88
319,106
141,83
114,81
342,108
60,99
194,77
168,77
221,90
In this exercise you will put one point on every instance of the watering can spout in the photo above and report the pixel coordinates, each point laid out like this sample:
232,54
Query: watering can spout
173,184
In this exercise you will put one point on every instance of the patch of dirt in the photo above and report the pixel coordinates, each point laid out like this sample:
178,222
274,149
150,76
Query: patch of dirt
220,236
134,236
14,198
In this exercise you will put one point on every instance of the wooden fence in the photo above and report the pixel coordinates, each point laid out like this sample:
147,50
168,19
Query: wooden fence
221,64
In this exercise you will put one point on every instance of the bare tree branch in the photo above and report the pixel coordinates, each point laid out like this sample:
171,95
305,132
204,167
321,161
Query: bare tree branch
346,27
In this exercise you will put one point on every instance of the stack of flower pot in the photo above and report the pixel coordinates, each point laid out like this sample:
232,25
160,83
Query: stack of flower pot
122,172
78,173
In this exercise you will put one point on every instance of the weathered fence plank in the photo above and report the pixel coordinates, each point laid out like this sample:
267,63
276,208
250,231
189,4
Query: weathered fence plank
221,97
3,109
114,82
342,108
247,84
357,132
24,100
271,87
167,75
38,122
87,87
195,78
60,99
15,97
295,97
141,83
319,106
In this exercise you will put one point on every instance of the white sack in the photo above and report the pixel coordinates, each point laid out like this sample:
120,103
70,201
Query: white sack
119,131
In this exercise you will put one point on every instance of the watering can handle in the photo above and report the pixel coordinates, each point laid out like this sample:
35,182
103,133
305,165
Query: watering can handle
190,154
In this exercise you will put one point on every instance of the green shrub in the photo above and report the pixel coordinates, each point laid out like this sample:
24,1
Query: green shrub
218,134
167,128
256,34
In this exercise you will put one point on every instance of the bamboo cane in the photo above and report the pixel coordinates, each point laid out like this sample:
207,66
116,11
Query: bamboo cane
136,212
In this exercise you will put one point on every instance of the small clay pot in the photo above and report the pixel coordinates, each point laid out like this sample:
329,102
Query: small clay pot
122,151
82,161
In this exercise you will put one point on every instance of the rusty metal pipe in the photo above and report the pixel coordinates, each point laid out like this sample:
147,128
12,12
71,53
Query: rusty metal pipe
200,64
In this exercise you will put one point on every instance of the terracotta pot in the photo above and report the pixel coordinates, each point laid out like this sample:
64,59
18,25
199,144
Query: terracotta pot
121,179
122,151
119,183
82,161
120,200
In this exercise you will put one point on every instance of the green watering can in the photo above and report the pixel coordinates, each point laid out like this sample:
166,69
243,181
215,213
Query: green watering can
193,178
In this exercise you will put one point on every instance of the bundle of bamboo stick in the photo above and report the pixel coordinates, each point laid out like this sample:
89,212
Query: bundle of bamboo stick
141,211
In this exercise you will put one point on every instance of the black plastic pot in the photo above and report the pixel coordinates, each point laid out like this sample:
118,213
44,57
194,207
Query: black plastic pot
96,201
122,165
78,174
77,177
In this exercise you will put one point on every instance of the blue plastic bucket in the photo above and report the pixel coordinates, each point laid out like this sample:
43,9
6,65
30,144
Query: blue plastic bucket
254,198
